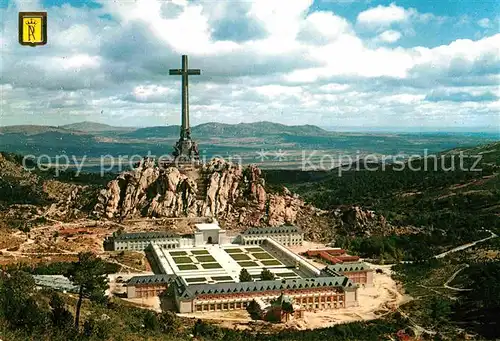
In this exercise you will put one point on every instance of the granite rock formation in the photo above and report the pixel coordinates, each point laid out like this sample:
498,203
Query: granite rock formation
218,189
233,194
237,196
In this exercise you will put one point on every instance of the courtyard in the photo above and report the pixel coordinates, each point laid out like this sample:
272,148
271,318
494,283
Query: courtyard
211,264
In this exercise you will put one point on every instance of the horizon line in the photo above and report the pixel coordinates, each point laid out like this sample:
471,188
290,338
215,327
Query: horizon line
344,128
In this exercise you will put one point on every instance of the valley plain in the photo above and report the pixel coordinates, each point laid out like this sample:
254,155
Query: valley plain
269,145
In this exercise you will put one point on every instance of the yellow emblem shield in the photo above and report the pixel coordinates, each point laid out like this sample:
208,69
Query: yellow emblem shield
33,28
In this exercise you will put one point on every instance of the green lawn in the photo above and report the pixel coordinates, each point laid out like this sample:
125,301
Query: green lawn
222,278
211,266
262,255
247,264
177,253
254,249
205,259
239,256
183,267
270,262
287,274
182,260
233,250
196,279
200,252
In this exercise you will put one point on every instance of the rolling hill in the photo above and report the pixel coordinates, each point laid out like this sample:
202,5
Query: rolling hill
94,127
444,207
28,130
93,140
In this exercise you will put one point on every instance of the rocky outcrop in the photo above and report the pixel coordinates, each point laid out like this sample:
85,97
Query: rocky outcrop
356,221
236,196
218,189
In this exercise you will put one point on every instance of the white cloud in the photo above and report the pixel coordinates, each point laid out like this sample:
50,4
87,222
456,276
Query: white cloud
463,56
312,65
389,36
323,27
484,23
151,93
383,15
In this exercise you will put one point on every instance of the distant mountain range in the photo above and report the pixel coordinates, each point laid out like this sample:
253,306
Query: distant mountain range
93,127
219,139
211,129
202,130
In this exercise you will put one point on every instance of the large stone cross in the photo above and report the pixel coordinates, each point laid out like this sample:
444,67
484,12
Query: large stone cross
185,72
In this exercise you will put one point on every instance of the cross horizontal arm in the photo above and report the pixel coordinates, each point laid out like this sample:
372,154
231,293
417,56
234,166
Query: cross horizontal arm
175,72
194,72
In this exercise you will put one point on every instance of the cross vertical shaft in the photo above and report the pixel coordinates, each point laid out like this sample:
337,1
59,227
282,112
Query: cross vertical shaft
185,149
185,72
185,127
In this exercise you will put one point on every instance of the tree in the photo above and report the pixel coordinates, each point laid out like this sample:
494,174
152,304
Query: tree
266,275
169,322
99,326
287,308
18,302
245,276
440,310
89,274
254,310
480,307
61,317
151,321
285,304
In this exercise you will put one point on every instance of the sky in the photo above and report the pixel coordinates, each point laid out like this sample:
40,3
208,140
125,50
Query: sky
413,65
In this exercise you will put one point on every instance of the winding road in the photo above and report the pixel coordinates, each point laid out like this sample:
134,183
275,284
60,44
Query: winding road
417,328
466,246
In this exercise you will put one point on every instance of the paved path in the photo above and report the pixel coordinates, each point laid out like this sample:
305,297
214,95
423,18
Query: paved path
444,254
466,246
452,277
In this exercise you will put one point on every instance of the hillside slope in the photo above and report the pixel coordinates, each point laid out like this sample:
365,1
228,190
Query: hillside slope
92,140
94,127
444,207
28,197
236,196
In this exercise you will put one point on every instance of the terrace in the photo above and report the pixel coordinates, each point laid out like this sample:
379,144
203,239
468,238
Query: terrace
216,264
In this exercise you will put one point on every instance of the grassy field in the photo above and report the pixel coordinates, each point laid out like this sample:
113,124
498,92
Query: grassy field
239,256
233,250
211,266
182,260
196,279
184,267
262,255
222,278
272,262
205,259
199,252
254,249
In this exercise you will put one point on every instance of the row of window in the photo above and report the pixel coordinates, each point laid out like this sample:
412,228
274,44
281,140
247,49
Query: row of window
337,302
141,247
221,306
284,242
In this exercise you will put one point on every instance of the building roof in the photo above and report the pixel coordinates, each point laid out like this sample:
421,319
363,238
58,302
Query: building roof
272,230
191,291
58,282
145,236
207,227
151,279
346,267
